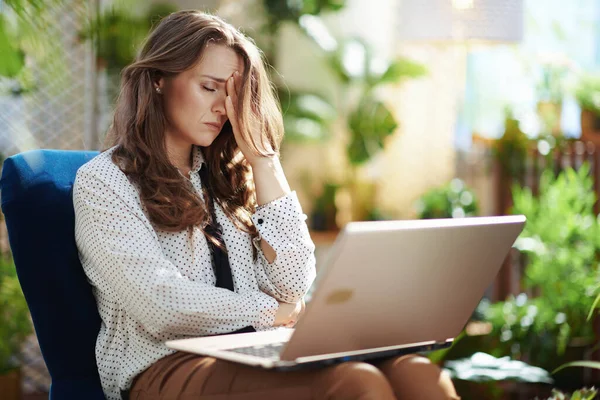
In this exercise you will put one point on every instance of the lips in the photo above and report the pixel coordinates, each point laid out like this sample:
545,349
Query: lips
214,124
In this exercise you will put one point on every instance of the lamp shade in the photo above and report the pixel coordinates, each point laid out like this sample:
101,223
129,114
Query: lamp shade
461,20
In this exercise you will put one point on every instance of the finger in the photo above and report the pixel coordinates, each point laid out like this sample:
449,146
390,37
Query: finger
231,88
238,82
231,114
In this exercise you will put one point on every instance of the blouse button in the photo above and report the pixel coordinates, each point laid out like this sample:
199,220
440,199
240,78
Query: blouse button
260,221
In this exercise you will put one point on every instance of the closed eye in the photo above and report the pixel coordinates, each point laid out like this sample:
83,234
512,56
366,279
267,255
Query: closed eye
209,89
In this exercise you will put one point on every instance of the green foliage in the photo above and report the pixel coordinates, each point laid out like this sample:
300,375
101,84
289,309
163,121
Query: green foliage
117,33
370,123
15,324
359,74
399,69
587,92
280,11
368,119
451,200
584,364
325,209
581,394
560,242
13,58
306,116
24,27
511,148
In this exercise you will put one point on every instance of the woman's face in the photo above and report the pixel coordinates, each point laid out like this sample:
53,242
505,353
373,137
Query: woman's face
194,100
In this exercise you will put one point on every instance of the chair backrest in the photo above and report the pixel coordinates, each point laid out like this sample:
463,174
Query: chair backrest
36,191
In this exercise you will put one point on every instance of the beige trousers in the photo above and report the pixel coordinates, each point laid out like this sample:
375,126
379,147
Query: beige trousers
183,376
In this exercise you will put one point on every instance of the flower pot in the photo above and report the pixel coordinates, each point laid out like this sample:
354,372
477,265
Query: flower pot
10,385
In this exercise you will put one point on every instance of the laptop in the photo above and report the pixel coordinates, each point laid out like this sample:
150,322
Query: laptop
387,288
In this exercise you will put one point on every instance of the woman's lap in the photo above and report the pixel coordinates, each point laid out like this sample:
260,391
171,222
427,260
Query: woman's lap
186,376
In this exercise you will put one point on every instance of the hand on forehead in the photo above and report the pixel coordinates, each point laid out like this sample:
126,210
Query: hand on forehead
219,63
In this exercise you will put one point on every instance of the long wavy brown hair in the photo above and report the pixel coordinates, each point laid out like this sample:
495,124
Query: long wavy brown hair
138,130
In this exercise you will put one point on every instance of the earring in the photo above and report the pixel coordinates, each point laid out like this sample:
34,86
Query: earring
158,90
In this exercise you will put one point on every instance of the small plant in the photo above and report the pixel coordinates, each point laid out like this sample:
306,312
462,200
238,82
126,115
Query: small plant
15,324
452,200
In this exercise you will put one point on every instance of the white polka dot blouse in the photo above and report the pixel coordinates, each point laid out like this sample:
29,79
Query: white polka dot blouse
152,286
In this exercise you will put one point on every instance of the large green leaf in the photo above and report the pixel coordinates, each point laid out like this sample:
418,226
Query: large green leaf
482,367
397,70
306,116
13,58
354,60
302,129
369,124
584,364
307,105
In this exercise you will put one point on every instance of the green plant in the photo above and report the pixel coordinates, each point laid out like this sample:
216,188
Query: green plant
581,394
560,243
24,35
306,115
15,324
587,92
451,200
361,73
324,210
117,33
356,106
511,148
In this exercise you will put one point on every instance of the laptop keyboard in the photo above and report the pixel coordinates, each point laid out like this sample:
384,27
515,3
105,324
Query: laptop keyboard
271,350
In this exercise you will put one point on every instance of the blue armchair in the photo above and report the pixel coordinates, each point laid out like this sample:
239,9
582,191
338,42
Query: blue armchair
36,189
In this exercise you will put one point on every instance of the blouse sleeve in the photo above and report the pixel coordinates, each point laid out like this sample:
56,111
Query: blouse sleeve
121,255
283,225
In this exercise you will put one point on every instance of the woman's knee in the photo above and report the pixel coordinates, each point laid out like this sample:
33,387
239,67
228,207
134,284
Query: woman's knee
415,377
354,380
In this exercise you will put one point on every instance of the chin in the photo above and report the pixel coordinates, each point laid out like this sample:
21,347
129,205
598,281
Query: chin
205,140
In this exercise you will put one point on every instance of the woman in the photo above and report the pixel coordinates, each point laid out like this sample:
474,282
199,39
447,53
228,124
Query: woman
186,226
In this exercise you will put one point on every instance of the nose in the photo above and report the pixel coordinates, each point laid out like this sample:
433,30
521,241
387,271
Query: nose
218,106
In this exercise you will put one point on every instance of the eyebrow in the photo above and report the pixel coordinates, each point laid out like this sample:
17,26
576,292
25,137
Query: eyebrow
214,78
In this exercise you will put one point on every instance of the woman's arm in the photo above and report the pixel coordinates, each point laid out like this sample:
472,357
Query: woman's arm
270,183
121,254
286,264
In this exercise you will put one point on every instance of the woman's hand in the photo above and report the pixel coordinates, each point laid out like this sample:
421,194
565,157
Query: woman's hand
232,86
288,314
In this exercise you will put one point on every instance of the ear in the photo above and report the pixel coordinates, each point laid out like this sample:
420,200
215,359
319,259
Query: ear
159,82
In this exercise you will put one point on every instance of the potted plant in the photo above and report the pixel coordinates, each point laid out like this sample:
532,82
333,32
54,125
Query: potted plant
15,326
587,94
